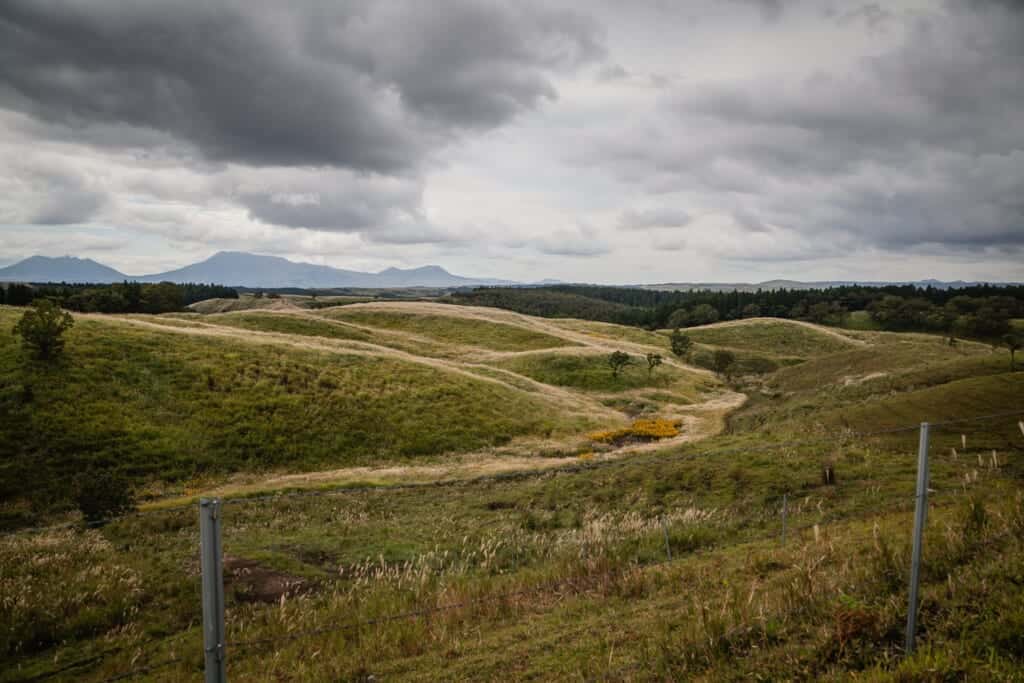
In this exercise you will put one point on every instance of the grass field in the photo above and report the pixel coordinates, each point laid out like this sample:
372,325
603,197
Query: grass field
450,329
772,337
557,573
592,373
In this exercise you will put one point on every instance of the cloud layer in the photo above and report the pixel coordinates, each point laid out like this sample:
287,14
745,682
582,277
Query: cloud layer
600,141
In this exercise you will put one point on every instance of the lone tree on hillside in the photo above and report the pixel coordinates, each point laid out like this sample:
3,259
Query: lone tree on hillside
42,327
1013,342
653,361
618,360
723,362
681,344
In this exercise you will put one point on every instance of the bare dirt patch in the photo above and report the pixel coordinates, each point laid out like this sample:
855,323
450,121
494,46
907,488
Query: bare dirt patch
252,582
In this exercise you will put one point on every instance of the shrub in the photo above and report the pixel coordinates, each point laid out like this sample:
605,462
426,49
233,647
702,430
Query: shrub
680,343
42,328
647,430
724,362
103,494
617,361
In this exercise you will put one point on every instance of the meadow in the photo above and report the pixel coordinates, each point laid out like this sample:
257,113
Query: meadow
415,492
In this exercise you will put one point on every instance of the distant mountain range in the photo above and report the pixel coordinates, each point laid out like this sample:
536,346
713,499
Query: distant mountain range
239,269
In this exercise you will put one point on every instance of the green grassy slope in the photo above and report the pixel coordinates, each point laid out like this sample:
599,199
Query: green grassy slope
560,576
291,324
169,406
451,329
591,372
612,332
771,337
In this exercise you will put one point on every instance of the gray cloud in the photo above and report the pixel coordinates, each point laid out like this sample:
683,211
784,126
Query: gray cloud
382,130
612,72
580,241
912,146
643,219
367,85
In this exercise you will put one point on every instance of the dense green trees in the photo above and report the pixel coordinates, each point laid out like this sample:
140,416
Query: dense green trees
124,297
981,311
701,314
42,328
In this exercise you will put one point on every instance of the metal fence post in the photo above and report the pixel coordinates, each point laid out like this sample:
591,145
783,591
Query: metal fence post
920,512
784,506
213,590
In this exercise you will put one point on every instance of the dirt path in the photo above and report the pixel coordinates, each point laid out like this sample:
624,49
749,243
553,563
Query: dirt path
562,398
698,421
542,325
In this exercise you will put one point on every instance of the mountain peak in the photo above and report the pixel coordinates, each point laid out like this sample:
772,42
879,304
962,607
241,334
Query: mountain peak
60,269
239,269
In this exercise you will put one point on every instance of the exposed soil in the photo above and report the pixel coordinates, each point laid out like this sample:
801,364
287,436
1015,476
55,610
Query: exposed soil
252,582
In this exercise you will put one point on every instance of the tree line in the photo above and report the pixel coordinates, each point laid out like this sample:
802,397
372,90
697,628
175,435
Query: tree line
122,297
981,311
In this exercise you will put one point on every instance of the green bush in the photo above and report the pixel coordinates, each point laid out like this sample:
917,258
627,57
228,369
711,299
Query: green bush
104,494
42,328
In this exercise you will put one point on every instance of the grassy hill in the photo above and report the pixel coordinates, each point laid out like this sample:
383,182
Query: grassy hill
515,548
772,337
167,405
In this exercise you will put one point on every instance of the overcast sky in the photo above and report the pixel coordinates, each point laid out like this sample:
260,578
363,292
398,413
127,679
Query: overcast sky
603,141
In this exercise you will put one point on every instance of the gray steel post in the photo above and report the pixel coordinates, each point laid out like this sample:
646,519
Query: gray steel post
920,513
210,552
784,505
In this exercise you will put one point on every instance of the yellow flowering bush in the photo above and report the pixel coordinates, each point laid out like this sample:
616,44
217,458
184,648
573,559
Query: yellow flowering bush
640,429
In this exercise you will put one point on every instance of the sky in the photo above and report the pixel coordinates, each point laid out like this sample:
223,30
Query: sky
598,141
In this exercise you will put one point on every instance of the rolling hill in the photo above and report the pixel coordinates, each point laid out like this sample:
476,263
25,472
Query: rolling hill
420,491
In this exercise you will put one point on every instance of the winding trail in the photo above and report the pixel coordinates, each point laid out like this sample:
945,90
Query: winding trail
698,420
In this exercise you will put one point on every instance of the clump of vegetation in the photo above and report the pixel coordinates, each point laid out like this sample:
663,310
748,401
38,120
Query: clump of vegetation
724,362
653,361
42,329
618,361
121,297
1013,343
681,343
641,430
103,495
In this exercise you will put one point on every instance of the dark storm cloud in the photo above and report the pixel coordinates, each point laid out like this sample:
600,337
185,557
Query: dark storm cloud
382,208
365,85
337,201
920,144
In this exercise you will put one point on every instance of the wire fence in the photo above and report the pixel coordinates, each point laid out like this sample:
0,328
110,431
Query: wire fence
250,647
